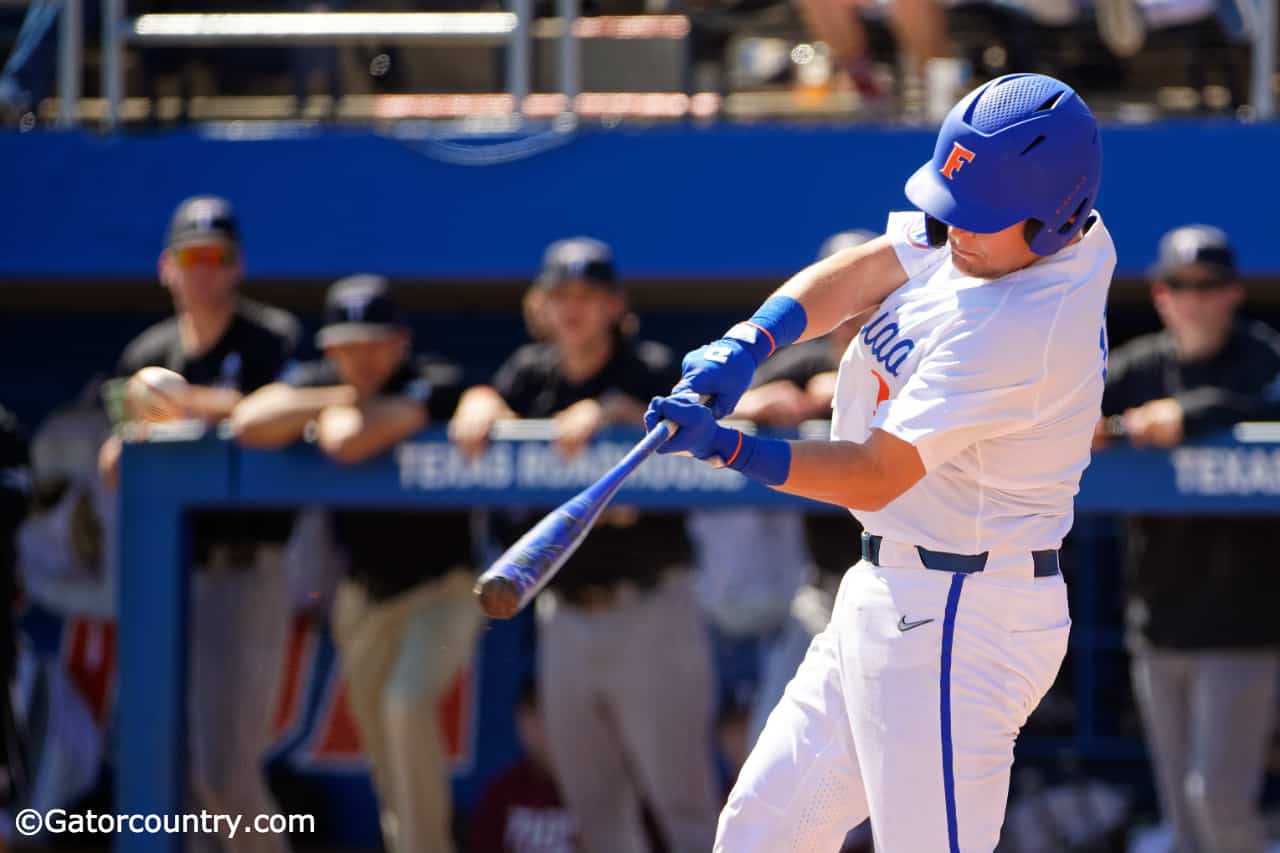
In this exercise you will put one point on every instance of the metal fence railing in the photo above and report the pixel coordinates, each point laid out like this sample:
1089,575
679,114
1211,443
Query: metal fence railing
512,29
481,29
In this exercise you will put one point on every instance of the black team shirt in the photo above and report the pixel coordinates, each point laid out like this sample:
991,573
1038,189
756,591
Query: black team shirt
392,550
622,545
1202,582
252,352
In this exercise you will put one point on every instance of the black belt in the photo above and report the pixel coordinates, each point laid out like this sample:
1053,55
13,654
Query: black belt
1045,562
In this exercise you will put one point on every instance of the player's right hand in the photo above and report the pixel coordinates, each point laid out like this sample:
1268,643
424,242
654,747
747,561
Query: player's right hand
721,370
698,435
478,410
471,433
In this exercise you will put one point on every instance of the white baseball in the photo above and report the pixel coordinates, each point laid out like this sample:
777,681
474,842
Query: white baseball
155,394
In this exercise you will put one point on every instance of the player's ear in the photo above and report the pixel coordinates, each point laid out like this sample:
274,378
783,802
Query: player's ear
1160,296
617,305
1237,293
164,268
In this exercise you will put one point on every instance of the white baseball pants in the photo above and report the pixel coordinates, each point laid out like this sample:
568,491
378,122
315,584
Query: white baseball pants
914,728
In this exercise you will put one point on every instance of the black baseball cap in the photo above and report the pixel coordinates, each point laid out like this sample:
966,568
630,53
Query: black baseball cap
844,240
203,219
1195,245
578,259
359,308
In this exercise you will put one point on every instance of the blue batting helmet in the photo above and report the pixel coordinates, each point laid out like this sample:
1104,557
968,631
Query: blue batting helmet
1022,147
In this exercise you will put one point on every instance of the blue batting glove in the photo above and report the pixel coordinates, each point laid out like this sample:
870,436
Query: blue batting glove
722,370
699,434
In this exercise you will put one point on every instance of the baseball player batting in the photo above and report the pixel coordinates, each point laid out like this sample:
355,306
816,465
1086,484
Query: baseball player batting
962,422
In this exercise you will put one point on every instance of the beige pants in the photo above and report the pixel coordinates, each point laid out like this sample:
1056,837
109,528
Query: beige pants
239,630
398,657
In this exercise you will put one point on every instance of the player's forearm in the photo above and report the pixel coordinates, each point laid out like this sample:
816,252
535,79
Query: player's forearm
484,401
619,408
845,284
209,403
277,414
354,433
843,473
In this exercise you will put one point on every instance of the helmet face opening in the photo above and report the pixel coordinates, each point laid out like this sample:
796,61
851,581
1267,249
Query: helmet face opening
1022,147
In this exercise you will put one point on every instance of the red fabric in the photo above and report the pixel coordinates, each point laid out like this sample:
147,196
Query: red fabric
521,812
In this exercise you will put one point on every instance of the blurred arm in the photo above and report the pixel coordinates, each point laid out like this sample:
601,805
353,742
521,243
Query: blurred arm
355,432
276,415
577,424
478,410
780,403
210,404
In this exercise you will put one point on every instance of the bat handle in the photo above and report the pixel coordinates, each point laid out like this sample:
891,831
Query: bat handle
670,427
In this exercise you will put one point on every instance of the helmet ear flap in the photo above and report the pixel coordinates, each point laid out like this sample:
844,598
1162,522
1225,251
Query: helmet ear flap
1052,241
1030,229
935,232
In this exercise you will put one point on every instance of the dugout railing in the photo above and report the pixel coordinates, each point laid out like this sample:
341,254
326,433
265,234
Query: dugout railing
180,470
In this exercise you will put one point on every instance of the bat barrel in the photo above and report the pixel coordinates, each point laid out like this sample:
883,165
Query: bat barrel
530,564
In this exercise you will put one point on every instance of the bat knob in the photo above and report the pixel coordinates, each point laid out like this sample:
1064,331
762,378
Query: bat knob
499,598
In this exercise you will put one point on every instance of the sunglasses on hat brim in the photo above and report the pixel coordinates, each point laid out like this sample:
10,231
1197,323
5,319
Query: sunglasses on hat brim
1198,285
205,255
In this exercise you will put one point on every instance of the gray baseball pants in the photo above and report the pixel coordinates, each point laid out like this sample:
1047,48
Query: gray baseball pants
240,619
627,695
1208,717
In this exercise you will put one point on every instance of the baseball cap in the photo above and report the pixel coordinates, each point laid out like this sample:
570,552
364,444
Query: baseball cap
578,259
359,308
842,240
203,219
1201,245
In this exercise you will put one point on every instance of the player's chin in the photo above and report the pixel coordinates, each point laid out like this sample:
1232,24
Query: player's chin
966,263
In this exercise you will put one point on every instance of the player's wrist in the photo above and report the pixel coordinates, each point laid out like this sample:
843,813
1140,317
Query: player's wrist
779,322
767,460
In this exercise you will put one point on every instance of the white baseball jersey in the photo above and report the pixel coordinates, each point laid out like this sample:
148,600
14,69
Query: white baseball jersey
986,379
907,705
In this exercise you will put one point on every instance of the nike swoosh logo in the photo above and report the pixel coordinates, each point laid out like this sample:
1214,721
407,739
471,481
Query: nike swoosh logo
904,625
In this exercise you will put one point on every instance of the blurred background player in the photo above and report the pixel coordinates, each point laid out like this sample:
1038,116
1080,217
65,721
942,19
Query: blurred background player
521,811
1203,635
404,620
623,659
225,346
66,555
67,573
15,496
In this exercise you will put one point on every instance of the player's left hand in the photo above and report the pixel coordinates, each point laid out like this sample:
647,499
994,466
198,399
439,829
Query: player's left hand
699,434
1156,423
576,425
721,370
